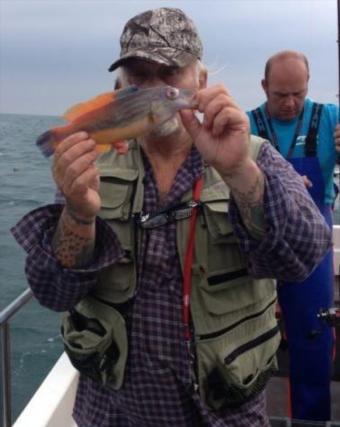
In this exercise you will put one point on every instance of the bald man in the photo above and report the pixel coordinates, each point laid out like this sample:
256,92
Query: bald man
304,132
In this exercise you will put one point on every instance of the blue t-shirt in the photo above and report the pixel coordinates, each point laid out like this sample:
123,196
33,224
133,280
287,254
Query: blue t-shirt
326,153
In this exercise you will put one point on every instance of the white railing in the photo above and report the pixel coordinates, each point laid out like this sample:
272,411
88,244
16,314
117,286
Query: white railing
5,317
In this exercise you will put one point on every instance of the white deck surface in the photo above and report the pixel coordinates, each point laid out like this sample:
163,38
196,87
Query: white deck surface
51,405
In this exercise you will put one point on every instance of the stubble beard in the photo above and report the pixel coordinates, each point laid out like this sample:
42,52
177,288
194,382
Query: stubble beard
166,129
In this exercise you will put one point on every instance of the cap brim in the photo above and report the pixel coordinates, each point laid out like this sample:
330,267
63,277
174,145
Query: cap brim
166,56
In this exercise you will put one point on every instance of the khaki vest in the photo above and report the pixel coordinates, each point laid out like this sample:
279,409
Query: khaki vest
235,330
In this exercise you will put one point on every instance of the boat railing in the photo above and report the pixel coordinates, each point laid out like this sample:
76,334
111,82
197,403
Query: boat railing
5,316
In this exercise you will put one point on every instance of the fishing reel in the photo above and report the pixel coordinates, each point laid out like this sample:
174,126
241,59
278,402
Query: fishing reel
331,316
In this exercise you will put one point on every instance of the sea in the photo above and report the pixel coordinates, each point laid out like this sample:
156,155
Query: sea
25,184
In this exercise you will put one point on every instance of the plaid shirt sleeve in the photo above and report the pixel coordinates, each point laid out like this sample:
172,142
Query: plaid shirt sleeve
53,285
297,236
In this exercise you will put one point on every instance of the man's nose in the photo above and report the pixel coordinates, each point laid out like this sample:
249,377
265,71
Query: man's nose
290,101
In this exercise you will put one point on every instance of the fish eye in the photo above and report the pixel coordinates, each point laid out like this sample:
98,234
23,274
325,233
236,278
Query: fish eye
172,92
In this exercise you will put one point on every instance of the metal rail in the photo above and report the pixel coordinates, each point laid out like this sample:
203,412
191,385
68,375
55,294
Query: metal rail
5,316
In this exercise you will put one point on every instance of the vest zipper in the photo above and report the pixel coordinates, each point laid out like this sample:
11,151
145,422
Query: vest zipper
234,325
251,344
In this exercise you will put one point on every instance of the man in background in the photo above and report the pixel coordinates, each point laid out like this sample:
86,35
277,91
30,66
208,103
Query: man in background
303,131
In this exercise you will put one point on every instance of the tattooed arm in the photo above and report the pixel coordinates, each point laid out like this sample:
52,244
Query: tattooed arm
74,240
248,190
76,176
296,236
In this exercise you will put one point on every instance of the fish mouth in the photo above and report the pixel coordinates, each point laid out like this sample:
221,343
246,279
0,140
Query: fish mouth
187,99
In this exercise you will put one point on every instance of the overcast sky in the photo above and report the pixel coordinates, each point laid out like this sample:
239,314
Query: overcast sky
55,53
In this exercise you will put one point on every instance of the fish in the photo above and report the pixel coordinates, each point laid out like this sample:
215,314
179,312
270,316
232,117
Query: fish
114,117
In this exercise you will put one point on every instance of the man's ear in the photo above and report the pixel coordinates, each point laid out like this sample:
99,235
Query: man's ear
264,85
203,78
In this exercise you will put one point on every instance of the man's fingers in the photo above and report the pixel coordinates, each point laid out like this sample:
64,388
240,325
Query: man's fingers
213,108
73,156
69,142
81,184
75,150
64,159
205,96
79,166
226,118
307,182
191,123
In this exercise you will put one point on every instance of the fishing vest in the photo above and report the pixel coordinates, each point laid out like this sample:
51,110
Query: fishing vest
235,333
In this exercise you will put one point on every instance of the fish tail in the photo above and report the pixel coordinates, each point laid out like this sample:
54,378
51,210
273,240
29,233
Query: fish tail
46,143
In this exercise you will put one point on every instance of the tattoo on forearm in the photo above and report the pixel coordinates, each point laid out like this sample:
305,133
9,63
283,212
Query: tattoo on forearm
76,219
71,249
250,204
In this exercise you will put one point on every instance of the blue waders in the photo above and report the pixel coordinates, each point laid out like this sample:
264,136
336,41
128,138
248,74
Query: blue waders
310,342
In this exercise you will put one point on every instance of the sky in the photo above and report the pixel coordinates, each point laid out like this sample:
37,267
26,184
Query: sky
55,53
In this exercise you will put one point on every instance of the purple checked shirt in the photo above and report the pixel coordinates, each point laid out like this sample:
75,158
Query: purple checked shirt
157,389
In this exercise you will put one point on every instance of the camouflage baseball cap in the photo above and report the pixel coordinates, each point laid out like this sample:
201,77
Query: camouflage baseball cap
166,36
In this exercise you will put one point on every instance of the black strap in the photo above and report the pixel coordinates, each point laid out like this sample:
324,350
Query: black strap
260,123
311,139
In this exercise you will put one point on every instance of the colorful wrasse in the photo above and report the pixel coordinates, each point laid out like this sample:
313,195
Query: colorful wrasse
113,117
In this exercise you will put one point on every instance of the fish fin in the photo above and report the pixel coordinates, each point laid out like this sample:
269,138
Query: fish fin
45,142
98,101
122,147
90,105
103,148
126,91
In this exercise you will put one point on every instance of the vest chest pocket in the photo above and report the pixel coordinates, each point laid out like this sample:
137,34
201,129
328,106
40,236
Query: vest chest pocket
217,220
221,270
117,283
116,189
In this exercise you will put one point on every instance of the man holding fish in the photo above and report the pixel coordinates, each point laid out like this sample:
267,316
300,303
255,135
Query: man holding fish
164,259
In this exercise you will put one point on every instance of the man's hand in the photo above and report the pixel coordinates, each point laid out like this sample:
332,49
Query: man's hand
77,177
223,141
337,138
223,137
307,182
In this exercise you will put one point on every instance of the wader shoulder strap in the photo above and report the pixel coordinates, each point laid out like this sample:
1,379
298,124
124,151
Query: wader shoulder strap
260,123
311,139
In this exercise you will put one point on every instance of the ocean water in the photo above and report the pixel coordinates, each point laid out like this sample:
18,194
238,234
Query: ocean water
25,184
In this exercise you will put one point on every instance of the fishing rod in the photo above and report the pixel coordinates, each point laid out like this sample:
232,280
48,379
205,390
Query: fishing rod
339,60
338,41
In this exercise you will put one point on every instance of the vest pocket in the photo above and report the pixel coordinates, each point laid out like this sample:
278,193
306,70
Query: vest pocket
117,282
217,220
115,192
95,340
224,291
238,373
